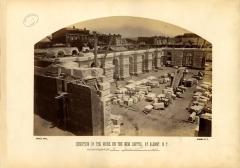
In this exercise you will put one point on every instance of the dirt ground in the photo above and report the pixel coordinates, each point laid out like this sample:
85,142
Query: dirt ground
169,122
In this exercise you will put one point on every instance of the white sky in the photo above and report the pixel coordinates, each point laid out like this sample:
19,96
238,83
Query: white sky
131,26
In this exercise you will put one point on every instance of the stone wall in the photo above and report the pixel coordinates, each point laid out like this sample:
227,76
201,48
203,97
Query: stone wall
120,65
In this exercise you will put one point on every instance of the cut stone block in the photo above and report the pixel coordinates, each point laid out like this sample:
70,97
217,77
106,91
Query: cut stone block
103,79
158,106
82,73
104,86
120,96
148,108
151,96
104,93
96,72
66,70
196,108
130,102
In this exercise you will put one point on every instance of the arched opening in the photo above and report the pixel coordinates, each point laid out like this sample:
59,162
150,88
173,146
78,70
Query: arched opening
116,74
131,68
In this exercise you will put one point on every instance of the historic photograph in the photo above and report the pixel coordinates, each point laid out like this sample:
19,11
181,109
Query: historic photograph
123,76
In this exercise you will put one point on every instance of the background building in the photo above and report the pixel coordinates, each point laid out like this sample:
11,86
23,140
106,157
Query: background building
72,36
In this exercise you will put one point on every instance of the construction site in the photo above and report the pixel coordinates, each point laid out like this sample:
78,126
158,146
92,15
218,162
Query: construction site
158,91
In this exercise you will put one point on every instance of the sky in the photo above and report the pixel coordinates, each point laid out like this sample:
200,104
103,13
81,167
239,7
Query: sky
131,26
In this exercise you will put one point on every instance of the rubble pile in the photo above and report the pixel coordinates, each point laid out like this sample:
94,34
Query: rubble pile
201,101
136,91
165,79
163,100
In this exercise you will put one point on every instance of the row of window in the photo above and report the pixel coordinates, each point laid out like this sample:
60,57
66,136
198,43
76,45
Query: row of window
76,37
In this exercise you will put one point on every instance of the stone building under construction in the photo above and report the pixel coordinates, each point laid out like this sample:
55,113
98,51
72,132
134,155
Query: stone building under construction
70,91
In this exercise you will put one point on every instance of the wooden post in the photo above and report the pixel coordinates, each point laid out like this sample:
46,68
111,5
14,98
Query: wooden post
95,49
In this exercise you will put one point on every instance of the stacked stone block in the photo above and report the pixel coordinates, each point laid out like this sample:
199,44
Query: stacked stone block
124,67
138,64
148,62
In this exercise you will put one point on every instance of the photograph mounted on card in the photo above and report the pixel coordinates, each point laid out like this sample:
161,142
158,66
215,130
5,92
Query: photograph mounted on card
122,76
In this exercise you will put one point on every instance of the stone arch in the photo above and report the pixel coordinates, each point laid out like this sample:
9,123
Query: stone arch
116,71
131,65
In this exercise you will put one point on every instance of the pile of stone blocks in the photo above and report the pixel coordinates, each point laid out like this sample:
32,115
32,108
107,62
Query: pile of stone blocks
109,72
153,82
124,69
139,69
150,96
106,105
190,82
142,88
164,79
128,96
104,89
130,87
200,100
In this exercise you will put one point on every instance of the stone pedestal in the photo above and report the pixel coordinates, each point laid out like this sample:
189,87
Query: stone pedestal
158,59
124,71
158,63
124,67
138,64
148,62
